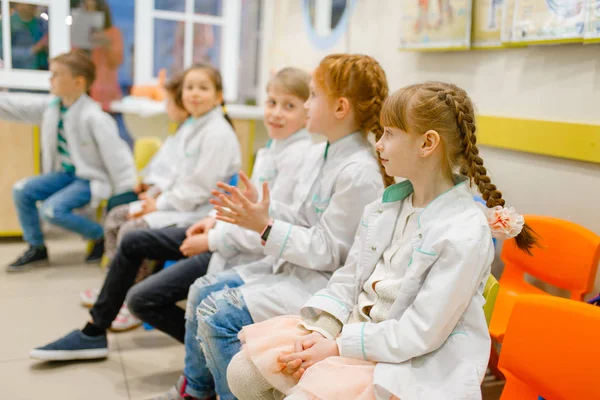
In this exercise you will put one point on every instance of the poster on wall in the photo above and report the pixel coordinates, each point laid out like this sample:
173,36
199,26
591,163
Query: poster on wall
550,21
487,23
508,17
592,21
435,24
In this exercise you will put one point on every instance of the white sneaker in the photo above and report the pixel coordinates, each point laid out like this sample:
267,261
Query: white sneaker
89,297
125,321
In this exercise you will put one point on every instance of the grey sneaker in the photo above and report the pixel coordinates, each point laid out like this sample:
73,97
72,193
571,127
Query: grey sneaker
75,346
177,392
33,256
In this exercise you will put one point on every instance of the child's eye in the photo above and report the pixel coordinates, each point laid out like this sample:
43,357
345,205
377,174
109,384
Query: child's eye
290,106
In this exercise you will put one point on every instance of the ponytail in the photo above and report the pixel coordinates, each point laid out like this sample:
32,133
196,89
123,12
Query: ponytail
224,108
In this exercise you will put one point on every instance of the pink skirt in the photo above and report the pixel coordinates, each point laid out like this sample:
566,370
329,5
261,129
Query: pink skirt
332,379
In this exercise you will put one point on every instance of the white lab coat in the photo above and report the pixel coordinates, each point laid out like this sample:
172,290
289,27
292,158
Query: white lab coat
312,234
275,164
435,344
208,151
97,152
161,169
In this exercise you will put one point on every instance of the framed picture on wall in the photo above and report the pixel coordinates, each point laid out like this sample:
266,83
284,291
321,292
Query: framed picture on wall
592,21
487,24
548,21
435,24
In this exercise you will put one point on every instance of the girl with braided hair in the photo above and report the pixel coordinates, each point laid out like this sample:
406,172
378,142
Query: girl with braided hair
403,319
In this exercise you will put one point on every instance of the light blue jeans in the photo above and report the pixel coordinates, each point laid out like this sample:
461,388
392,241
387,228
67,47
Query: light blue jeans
61,193
216,312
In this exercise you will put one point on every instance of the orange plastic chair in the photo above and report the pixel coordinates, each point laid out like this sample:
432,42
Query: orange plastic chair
568,259
551,350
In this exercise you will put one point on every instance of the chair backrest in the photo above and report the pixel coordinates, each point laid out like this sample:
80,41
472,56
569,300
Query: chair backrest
568,257
551,349
233,181
490,293
144,149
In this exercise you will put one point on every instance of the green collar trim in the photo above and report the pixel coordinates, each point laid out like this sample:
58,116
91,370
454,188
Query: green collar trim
397,192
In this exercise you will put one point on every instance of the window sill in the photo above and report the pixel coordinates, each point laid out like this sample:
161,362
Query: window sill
145,107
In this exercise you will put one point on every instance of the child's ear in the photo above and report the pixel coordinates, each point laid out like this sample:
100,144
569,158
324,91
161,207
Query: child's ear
82,82
342,107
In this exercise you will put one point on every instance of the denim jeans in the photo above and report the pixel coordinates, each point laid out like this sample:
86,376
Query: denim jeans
154,300
216,313
61,193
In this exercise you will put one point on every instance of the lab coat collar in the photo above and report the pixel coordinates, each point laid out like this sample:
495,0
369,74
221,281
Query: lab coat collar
445,205
217,111
280,144
345,146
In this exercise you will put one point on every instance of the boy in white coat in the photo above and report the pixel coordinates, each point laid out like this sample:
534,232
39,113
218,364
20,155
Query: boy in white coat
83,159
403,319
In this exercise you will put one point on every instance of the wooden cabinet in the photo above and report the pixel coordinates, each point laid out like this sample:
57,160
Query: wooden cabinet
19,158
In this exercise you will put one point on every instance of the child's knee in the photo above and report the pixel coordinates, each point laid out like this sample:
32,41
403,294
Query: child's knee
19,190
198,291
216,310
51,213
245,380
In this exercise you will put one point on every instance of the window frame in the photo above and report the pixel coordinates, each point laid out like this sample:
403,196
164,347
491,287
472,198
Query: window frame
230,23
59,36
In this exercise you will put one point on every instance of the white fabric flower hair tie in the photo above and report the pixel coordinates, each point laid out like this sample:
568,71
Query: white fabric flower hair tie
504,222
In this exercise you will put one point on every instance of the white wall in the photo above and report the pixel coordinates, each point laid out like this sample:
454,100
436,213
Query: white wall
552,83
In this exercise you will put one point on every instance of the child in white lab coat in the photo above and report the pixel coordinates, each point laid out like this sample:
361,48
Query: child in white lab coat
83,159
310,234
155,177
403,319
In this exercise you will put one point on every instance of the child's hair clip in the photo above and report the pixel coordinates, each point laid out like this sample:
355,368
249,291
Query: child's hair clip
504,222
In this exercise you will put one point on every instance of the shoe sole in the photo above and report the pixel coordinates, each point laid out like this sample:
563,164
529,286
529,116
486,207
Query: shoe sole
68,355
27,267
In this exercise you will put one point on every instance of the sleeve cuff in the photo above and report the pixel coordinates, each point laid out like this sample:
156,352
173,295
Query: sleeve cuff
217,241
326,324
213,239
278,238
351,341
162,203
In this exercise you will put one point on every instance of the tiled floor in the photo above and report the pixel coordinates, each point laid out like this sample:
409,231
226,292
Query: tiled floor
42,304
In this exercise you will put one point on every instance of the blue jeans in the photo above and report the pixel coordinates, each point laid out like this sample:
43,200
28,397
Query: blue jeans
61,193
216,313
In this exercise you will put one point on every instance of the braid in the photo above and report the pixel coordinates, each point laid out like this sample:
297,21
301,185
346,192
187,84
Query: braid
371,110
473,166
373,125
457,100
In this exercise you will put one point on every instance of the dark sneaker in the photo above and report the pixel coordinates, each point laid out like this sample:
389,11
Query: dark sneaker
177,392
97,252
75,346
33,255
